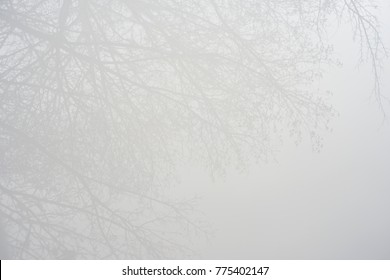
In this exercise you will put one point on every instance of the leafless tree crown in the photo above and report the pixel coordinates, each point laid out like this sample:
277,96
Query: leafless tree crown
99,99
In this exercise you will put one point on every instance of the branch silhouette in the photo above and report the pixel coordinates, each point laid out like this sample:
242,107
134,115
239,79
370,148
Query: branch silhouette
100,100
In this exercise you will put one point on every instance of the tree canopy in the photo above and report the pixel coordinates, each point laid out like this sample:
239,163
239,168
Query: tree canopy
101,99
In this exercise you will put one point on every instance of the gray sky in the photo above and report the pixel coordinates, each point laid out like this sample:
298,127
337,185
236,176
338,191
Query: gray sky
334,204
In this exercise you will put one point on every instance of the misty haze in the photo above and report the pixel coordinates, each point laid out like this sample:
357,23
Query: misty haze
210,129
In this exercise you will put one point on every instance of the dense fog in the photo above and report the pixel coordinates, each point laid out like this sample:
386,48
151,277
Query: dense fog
219,129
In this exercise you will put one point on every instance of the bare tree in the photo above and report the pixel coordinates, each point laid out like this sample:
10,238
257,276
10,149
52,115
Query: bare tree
101,99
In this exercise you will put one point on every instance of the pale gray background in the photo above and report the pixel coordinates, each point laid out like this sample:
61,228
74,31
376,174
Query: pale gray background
334,204
132,141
